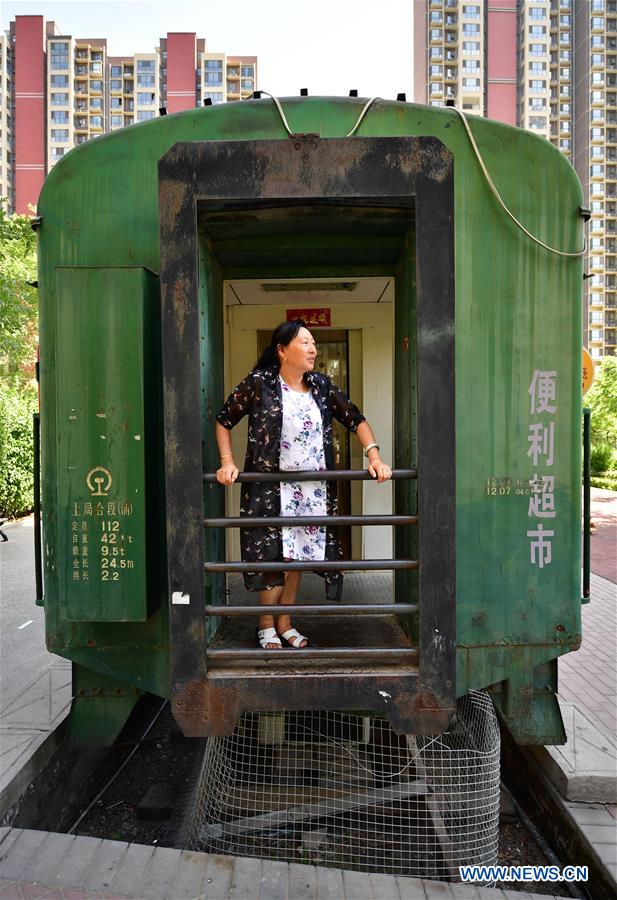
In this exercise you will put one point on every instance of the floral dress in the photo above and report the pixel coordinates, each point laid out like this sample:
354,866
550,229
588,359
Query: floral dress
259,396
302,449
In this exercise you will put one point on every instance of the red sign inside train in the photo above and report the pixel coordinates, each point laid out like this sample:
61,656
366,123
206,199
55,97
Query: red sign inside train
314,318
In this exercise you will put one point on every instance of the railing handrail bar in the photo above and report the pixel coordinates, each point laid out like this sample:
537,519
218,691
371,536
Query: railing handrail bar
383,654
297,521
312,609
325,475
327,565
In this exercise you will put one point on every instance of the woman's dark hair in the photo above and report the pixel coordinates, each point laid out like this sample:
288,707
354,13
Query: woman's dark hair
282,335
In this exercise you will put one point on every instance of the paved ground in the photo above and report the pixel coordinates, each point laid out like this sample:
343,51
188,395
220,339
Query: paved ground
604,539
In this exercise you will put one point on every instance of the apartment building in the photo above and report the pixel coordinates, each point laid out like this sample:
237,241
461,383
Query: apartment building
549,66
57,91
6,121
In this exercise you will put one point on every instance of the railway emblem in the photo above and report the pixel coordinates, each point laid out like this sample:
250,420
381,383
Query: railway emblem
99,481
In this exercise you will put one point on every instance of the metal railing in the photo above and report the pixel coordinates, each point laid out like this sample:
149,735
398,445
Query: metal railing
383,654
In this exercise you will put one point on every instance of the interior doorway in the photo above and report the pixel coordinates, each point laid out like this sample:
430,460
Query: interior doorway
333,361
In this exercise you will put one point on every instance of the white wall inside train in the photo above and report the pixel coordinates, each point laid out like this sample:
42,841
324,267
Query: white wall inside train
368,319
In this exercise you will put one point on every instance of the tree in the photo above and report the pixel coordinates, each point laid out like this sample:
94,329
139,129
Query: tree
18,340
602,398
18,299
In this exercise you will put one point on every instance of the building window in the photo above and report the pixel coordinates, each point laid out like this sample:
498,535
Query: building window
564,144
59,99
597,59
597,115
597,41
564,90
564,108
96,103
596,243
564,72
215,96
116,71
471,65
214,77
246,71
596,334
436,18
116,121
57,153
537,49
597,5
436,89
59,56
596,169
564,37
213,65
115,84
471,47
537,68
59,81
537,12
597,22
96,86
597,77
247,84
435,34
472,12
537,103
436,70
144,114
145,65
537,86
116,103
564,20
59,117
96,121
470,29
564,56
537,121
60,135
471,84
597,189
597,134
537,30
146,99
145,80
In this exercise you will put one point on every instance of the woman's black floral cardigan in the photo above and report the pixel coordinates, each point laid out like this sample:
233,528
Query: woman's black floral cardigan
260,396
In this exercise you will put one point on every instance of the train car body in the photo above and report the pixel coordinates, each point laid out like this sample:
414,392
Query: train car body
155,244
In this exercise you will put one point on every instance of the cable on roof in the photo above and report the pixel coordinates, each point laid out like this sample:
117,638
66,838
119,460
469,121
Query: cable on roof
572,255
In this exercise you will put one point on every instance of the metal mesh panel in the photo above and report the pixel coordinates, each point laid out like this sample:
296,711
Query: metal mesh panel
346,791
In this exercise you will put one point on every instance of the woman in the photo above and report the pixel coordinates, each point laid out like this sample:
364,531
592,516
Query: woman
290,409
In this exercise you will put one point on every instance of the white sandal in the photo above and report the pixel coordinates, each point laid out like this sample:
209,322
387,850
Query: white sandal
267,636
294,638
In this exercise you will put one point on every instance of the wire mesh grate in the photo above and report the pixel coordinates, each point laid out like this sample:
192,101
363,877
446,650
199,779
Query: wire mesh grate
346,791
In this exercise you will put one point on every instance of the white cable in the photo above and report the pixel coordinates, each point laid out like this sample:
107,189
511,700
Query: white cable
574,255
281,113
367,106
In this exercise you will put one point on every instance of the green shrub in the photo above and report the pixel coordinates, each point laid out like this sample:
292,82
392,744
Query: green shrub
17,403
601,458
608,482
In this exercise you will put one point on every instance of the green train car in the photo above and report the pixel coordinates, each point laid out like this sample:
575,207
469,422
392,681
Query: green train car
166,251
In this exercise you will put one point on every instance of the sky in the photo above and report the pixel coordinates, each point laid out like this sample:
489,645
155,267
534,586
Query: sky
326,46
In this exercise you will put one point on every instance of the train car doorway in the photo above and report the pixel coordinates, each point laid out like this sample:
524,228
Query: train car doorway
277,211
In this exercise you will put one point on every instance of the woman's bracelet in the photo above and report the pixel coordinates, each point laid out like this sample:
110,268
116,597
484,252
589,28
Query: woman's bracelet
373,446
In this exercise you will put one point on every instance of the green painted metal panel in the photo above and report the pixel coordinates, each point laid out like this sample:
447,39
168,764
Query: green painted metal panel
101,474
